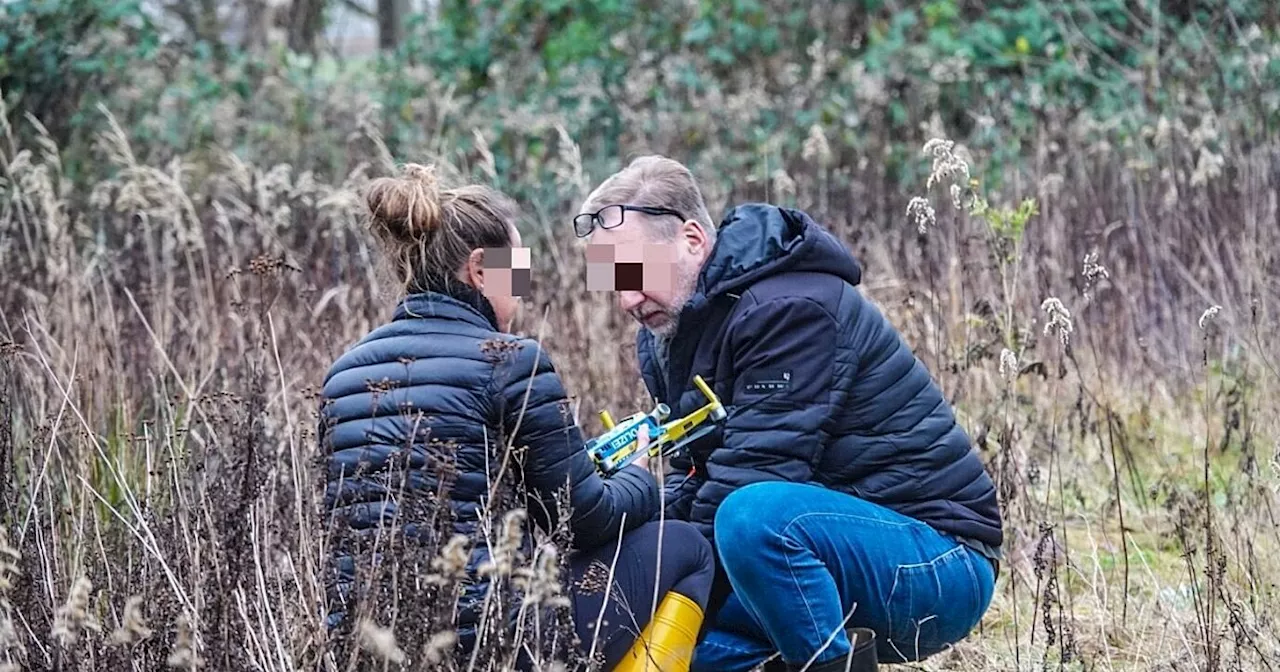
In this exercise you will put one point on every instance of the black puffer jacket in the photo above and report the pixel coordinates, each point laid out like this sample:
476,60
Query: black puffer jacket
820,387
439,384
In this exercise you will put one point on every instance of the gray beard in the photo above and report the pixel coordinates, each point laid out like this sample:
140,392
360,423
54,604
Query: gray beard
661,344
662,338
667,331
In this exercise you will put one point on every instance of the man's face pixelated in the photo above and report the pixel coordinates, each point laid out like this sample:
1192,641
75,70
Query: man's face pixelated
653,278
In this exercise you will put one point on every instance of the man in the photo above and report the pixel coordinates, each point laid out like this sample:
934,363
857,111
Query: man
840,493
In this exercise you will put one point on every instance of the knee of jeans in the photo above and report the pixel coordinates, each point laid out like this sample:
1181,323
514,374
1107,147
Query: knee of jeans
741,519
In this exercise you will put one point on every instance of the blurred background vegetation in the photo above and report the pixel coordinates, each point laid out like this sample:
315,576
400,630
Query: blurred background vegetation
747,80
823,104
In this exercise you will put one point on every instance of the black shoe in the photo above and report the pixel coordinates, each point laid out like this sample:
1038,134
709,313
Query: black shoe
861,658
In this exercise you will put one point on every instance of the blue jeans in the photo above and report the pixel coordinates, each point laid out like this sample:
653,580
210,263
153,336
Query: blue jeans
801,557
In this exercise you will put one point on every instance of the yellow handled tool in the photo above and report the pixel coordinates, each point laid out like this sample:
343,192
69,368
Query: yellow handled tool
620,446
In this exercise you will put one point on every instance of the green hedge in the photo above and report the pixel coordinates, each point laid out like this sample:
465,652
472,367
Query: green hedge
747,80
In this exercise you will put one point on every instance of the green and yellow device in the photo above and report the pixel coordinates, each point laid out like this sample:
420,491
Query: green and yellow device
620,444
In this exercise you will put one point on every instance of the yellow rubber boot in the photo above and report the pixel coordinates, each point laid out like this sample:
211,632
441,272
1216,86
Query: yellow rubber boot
667,643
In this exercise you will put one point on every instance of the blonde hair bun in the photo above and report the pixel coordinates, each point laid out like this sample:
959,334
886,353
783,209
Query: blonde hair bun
429,228
407,206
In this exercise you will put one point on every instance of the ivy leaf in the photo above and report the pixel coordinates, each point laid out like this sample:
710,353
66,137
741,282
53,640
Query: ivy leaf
720,55
700,32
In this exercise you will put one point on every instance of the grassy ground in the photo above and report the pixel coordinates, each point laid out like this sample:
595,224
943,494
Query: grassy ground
165,333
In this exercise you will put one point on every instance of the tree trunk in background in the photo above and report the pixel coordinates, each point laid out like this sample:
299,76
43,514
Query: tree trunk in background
203,24
306,20
258,20
390,23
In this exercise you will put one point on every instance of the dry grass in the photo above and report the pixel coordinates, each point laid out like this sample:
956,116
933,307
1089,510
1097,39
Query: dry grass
164,336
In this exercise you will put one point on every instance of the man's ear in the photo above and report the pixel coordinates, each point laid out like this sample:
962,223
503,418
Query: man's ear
694,238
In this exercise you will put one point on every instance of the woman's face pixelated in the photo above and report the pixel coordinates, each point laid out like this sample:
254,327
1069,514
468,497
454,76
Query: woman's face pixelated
503,275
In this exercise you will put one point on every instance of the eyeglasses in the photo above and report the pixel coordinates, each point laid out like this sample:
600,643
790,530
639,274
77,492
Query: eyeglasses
586,222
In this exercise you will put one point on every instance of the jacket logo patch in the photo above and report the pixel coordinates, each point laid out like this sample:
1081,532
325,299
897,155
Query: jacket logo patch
769,382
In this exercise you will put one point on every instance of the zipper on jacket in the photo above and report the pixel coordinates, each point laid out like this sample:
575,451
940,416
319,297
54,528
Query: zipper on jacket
687,476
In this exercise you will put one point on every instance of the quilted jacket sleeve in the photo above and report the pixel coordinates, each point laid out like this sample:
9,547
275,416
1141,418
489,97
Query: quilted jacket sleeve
783,380
537,414
680,486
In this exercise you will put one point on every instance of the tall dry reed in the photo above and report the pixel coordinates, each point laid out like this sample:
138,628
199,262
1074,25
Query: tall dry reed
164,332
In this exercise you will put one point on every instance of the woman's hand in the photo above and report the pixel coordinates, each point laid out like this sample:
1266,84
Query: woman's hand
642,438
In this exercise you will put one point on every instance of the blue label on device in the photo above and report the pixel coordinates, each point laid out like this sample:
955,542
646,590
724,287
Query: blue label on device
628,436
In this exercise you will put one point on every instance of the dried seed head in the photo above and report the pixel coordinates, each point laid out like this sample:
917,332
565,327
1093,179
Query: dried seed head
8,633
923,214
568,166
114,142
9,557
816,146
381,642
595,580
132,627
1163,132
541,582
74,616
1208,318
1093,272
945,162
487,163
439,645
184,654
451,565
938,147
1059,318
505,554
265,264
783,184
1208,167
513,527
1008,365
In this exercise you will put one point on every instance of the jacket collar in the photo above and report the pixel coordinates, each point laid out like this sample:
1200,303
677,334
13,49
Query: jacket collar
702,320
754,241
456,303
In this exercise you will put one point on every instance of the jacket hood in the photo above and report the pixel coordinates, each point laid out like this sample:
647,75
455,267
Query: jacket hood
756,240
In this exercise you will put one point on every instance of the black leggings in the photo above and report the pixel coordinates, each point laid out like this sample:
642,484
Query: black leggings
687,567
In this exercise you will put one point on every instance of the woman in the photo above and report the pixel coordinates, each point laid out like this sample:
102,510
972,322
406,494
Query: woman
444,389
